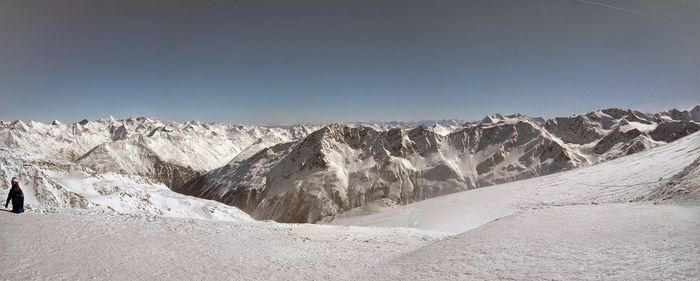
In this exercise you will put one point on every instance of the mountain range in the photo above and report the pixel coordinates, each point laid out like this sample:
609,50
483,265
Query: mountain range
340,167
308,173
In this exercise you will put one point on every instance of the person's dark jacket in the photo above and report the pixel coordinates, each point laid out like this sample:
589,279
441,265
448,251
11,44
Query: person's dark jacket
17,197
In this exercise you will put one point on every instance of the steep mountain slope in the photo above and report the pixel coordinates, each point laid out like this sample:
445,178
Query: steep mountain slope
339,168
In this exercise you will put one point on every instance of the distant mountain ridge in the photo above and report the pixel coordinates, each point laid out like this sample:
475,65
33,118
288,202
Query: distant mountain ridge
167,151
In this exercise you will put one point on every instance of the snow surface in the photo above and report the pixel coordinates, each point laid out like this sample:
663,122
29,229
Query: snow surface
87,246
584,242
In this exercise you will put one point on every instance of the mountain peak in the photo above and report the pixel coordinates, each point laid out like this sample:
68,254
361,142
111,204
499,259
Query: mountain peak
492,119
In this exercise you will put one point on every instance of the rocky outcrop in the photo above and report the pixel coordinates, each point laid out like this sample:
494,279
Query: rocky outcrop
118,133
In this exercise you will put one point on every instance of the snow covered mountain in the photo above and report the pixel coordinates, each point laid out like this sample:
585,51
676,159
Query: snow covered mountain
307,173
167,151
339,167
442,127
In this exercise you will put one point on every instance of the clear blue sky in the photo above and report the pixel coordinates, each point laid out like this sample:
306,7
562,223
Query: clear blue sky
283,62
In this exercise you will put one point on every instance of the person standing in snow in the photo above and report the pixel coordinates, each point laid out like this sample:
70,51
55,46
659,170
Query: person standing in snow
17,197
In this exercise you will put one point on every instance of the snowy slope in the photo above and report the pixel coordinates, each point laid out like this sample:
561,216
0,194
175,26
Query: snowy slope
52,184
629,178
88,246
627,241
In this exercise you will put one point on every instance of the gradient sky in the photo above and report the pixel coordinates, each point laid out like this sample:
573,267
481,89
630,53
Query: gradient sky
282,62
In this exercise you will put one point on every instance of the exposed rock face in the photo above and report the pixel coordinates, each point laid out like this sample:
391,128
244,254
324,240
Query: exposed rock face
692,115
670,131
118,133
615,137
616,132
579,130
173,175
